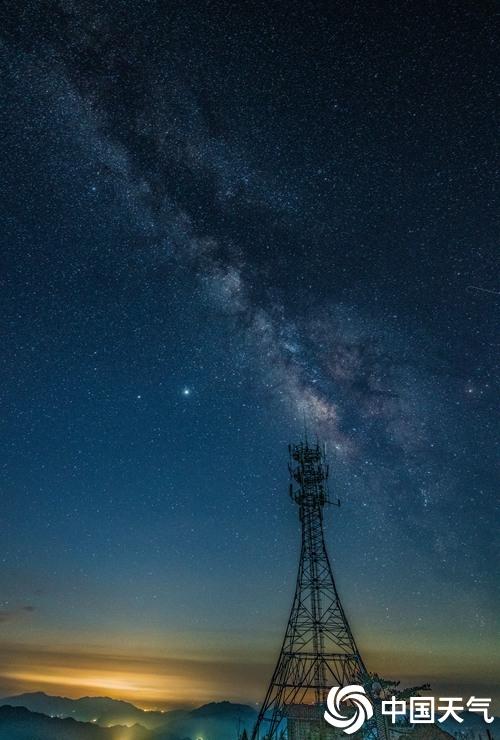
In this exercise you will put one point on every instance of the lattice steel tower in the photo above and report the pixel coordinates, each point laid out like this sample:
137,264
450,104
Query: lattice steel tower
319,650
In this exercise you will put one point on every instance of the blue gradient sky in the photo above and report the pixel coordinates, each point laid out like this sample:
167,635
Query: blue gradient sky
284,211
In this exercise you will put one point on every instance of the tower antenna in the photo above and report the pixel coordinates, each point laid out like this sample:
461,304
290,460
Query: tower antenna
318,650
304,419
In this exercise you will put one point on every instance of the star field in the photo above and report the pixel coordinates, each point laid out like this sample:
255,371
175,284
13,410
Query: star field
218,220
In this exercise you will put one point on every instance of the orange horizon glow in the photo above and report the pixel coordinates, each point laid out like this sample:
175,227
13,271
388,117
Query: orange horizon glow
138,686
149,682
163,682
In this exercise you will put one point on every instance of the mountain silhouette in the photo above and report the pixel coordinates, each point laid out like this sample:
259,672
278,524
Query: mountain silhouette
18,723
101,710
89,715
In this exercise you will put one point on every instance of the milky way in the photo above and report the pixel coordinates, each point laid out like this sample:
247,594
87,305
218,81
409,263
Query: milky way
326,366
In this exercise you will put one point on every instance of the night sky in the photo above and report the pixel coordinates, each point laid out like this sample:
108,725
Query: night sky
218,219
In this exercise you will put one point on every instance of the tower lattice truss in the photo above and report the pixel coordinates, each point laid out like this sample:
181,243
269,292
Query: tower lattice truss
319,650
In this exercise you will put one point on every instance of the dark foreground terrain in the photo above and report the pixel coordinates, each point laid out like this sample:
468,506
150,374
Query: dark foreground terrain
38,716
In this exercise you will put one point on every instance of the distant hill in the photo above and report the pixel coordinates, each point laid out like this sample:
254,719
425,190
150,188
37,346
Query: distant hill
224,709
214,721
102,710
17,723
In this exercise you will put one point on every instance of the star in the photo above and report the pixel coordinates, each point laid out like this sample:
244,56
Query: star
186,391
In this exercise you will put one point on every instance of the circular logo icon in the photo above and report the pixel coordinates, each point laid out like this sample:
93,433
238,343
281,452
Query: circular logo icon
362,705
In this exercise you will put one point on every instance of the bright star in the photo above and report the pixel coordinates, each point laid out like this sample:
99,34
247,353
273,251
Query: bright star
186,391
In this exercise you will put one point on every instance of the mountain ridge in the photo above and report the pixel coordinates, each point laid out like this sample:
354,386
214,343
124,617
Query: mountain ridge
18,723
219,720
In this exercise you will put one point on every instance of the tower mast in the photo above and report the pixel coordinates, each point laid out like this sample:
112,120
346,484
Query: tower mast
319,650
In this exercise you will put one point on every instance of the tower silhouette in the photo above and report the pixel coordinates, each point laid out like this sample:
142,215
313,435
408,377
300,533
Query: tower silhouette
319,650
